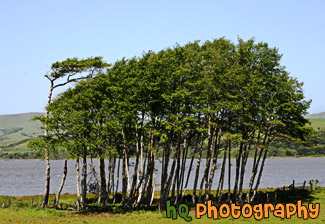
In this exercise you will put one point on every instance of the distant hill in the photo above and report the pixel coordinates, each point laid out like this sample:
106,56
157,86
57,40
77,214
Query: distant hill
317,120
313,116
16,129
317,123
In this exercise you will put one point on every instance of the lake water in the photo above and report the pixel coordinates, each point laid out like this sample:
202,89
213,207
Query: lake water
26,177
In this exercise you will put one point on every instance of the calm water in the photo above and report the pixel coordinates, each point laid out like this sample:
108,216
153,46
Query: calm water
26,177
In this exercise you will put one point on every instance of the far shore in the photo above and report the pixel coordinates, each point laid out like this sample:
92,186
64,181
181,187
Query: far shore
273,157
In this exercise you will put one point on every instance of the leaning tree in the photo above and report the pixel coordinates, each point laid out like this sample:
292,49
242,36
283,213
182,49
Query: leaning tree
63,73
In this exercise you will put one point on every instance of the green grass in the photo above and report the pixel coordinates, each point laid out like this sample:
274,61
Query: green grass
19,150
25,214
317,123
16,128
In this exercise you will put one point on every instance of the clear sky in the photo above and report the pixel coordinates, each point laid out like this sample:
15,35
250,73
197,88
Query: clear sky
34,34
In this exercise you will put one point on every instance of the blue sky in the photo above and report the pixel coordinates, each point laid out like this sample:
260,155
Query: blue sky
34,34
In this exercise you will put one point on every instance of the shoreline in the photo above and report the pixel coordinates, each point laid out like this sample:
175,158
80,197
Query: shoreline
188,192
280,157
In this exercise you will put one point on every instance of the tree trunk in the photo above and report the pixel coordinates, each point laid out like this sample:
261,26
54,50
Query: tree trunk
242,172
190,167
102,183
141,159
238,162
124,176
255,166
109,175
47,182
47,156
181,176
135,180
222,172
208,159
84,179
57,197
113,175
78,184
151,184
214,164
229,168
176,171
260,174
127,173
164,175
117,179
152,181
183,167
198,169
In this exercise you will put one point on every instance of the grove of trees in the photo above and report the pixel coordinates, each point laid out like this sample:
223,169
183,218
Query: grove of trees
201,101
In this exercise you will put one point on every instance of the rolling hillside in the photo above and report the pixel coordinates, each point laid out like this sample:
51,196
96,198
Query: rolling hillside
318,123
16,129
319,115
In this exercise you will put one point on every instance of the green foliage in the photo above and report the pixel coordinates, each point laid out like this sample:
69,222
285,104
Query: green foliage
73,66
55,137
226,97
285,147
243,88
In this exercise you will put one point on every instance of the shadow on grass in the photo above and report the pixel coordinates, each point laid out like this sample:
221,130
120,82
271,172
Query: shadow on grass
273,196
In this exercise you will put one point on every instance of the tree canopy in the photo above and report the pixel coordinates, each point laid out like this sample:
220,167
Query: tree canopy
212,99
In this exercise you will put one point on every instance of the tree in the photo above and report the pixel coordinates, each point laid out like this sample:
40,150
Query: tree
85,68
211,100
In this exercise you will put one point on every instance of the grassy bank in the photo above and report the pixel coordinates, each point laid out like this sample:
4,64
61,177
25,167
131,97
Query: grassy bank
21,211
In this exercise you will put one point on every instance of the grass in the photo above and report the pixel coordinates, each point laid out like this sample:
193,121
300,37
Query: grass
19,150
15,128
317,123
21,212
